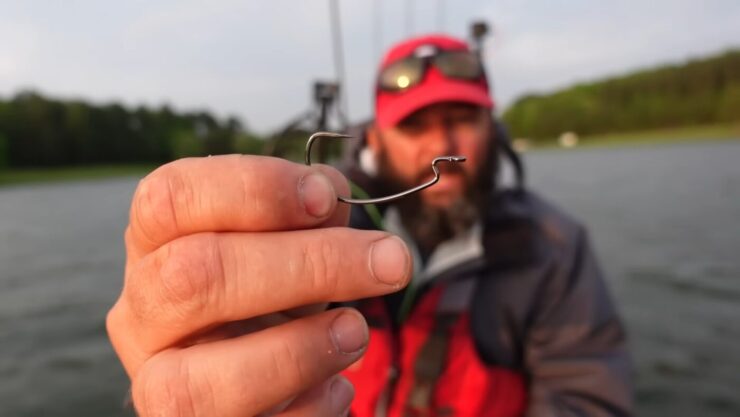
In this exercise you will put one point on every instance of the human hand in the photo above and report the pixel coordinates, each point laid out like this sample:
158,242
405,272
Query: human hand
223,255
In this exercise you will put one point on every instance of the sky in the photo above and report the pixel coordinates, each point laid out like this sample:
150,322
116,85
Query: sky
257,59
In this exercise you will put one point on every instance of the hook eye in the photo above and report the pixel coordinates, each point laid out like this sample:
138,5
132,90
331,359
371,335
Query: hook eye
389,198
456,158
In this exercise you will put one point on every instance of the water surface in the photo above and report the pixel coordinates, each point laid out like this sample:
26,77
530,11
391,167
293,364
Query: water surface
665,221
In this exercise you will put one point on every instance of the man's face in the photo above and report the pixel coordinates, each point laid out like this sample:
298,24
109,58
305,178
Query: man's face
437,130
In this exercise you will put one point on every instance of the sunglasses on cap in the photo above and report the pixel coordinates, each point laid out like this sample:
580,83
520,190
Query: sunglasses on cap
410,71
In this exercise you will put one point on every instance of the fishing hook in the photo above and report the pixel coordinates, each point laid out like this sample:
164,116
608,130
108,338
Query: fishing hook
388,198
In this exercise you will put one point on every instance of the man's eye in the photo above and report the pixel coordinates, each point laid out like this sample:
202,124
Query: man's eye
411,126
464,118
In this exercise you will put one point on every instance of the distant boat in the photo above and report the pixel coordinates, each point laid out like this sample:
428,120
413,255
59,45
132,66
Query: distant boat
568,140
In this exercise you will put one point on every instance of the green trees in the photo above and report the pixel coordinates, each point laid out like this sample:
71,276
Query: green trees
4,154
37,131
703,91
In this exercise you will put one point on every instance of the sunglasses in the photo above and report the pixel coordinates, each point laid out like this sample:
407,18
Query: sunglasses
410,71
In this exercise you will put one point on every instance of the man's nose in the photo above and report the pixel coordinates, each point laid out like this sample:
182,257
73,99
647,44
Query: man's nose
440,142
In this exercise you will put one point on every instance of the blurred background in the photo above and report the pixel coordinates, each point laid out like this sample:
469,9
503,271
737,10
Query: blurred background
627,114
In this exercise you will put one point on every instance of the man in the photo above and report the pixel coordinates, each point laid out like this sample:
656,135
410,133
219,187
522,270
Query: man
507,312
232,260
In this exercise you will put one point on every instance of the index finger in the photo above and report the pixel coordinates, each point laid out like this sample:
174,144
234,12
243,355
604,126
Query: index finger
232,193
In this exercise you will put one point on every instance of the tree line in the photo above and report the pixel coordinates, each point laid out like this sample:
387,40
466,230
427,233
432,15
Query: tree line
698,92
36,131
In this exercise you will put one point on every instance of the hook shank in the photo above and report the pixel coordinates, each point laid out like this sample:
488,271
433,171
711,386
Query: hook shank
388,198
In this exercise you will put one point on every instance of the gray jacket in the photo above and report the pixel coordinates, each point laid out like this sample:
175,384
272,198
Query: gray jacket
540,305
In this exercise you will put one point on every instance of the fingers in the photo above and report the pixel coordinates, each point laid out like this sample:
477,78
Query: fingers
332,398
232,193
251,374
201,279
340,215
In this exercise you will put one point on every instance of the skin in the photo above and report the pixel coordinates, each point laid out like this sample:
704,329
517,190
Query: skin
436,130
200,326
230,261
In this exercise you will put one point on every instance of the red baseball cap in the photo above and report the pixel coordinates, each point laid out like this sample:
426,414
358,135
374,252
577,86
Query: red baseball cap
392,107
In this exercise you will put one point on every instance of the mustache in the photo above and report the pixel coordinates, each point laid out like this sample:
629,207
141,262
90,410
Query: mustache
445,168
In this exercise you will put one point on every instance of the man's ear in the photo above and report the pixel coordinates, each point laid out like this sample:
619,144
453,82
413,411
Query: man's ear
369,154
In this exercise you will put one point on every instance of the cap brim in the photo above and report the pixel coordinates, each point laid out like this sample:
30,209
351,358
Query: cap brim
392,108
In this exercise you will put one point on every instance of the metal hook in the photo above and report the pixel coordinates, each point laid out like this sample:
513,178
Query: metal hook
389,198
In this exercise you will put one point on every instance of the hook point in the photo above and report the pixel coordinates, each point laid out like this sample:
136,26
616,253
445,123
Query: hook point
329,135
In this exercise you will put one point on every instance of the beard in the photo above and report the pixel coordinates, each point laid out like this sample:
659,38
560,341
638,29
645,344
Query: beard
430,225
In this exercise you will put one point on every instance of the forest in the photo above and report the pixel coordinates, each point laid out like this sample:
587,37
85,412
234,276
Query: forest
698,92
36,131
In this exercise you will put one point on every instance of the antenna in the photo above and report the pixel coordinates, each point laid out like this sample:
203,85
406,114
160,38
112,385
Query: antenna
378,29
478,32
338,49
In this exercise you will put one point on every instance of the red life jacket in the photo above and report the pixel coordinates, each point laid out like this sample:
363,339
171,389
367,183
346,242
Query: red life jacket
430,368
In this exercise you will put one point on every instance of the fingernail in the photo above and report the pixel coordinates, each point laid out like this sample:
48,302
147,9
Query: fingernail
349,332
317,194
389,260
342,393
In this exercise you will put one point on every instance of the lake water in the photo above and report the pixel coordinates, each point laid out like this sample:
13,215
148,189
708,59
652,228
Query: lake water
665,221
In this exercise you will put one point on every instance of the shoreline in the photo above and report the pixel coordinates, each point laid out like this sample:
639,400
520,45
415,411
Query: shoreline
23,176
683,135
688,134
